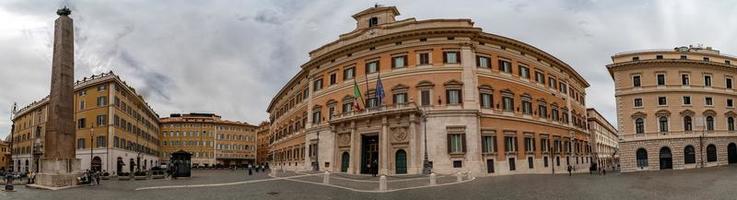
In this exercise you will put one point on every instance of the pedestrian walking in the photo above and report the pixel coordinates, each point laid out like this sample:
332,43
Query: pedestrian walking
250,172
603,171
569,170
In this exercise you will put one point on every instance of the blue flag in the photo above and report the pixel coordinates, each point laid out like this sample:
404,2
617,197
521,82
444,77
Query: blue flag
379,90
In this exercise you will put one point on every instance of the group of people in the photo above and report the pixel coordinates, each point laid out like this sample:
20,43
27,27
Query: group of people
90,176
257,168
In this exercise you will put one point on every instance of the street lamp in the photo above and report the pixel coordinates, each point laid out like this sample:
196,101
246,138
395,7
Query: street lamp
426,166
317,155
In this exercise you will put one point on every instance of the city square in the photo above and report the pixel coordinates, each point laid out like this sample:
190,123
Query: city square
341,100
708,183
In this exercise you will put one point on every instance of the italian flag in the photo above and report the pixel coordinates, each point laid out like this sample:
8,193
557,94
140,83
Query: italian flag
356,96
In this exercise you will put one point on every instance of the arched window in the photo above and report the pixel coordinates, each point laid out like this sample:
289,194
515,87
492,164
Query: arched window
663,122
641,158
687,123
689,155
711,153
710,123
730,123
639,126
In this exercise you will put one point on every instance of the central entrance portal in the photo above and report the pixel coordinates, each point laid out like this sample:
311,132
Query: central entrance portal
369,154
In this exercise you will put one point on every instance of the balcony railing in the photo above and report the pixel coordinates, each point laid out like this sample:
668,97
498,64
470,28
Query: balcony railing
377,110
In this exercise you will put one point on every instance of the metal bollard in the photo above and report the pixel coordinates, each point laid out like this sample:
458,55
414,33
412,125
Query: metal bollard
326,178
459,177
382,183
433,179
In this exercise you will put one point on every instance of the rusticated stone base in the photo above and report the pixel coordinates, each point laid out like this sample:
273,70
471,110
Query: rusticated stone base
58,173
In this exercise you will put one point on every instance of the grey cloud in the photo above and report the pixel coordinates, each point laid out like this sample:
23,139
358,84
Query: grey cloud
231,57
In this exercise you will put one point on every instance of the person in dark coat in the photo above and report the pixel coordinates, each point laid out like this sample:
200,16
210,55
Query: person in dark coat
250,169
569,170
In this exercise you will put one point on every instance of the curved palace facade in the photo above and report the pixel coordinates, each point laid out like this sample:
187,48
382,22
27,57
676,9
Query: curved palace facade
469,100
675,108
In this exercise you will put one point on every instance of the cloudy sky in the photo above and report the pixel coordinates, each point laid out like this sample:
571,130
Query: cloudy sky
231,57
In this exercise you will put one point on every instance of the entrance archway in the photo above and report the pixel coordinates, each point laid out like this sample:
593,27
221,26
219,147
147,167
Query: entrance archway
369,154
666,158
732,153
401,162
96,163
345,159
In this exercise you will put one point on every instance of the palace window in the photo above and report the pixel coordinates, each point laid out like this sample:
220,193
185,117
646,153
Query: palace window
505,66
333,78
425,97
707,80
529,144
483,62
101,101
488,144
639,126
663,124
709,123
317,85
81,123
662,101
708,101
524,72
101,120
451,57
424,58
510,143
526,104
730,123
373,21
349,73
661,79
540,77
728,83
638,102
454,96
80,143
399,62
372,67
636,81
684,79
687,123
456,142
686,100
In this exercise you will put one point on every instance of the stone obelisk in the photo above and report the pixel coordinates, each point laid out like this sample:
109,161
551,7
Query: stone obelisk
59,165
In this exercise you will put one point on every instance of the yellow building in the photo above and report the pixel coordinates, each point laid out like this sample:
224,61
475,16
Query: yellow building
465,99
117,130
211,140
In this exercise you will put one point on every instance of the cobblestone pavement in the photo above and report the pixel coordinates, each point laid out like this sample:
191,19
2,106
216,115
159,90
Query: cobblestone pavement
710,183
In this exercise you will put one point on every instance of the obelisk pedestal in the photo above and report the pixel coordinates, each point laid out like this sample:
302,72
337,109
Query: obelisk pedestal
59,165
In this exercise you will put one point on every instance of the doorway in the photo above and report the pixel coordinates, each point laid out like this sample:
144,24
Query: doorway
732,153
666,158
369,154
344,162
401,160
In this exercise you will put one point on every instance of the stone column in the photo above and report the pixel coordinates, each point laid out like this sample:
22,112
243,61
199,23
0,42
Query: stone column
384,146
354,158
470,87
414,157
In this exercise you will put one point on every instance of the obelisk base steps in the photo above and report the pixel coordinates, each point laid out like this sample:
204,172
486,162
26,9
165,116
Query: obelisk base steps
58,173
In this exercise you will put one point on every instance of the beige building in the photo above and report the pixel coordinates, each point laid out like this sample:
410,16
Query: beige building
604,139
483,103
675,108
262,135
211,140
116,130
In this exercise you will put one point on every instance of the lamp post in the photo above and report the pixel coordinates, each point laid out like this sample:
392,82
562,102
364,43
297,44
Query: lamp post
426,166
317,155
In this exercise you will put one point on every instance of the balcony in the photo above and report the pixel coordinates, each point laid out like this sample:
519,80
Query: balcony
405,108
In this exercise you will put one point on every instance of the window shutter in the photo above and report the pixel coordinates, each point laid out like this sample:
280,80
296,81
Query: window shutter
460,97
449,146
463,142
406,61
394,62
445,57
447,96
458,57
478,61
